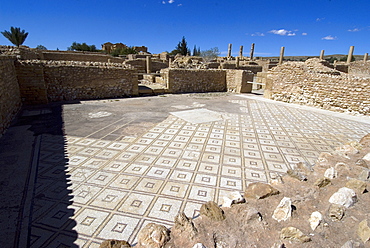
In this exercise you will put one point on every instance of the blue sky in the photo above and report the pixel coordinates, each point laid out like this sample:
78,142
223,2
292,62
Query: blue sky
303,27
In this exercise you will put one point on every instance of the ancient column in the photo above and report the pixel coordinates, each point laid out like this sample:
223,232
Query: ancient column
281,55
148,64
322,55
365,57
350,54
241,52
237,62
229,51
252,51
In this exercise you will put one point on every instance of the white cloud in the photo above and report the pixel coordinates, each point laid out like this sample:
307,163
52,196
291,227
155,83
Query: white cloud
282,32
180,4
354,30
163,2
258,34
171,1
329,37
304,33
319,19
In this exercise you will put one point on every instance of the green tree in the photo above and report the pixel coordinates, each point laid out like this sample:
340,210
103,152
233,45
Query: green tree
181,48
345,58
15,35
82,47
41,47
123,51
196,51
210,54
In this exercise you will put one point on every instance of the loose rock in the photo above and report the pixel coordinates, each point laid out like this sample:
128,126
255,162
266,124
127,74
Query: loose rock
344,196
363,231
284,210
184,224
112,243
331,173
297,175
315,220
357,185
322,182
336,212
294,234
153,236
212,211
362,163
260,191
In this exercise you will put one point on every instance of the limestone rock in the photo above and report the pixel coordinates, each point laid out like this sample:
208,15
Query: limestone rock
357,185
350,244
331,173
324,159
322,182
315,220
253,215
260,191
184,224
212,211
364,175
363,231
336,212
294,234
362,163
232,198
365,141
297,175
344,196
199,245
346,150
111,243
153,236
367,157
284,210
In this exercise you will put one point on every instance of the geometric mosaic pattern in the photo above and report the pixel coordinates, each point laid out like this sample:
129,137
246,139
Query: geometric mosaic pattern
118,186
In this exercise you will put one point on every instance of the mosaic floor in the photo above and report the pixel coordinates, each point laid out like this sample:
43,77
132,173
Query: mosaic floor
116,187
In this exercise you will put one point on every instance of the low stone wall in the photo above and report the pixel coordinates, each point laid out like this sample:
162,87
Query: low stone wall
237,81
359,68
312,83
194,80
44,81
10,100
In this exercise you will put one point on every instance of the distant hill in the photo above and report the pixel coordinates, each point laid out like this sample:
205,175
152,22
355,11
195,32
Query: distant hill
304,58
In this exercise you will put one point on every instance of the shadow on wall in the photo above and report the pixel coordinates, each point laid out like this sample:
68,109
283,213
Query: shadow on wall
45,214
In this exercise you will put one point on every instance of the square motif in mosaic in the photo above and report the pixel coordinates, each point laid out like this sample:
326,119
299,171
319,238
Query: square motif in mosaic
165,161
117,145
192,155
165,209
166,137
323,148
85,193
183,139
72,149
205,179
175,189
299,135
80,174
151,135
55,190
154,150
170,152
126,156
311,154
177,145
124,182
255,175
136,148
145,158
76,160
72,139
270,149
198,140
144,141
273,156
89,151
171,131
231,171
194,147
108,198
136,169
290,151
208,168
101,178
160,143
149,185
64,241
119,227
294,159
285,144
232,151
306,146
250,146
95,163
231,183
215,142
101,143
106,154
233,144
39,236
211,157
216,136
127,139
203,194
85,142
88,221
277,166
213,149
57,216
183,176
268,142
192,209
136,203
186,165
115,166
200,134
252,154
158,172
232,160
156,130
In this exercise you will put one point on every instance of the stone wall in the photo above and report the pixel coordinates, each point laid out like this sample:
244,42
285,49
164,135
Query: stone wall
359,68
10,100
312,83
237,81
194,80
43,81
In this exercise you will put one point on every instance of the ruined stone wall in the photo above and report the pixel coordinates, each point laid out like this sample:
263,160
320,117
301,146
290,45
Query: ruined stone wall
359,68
237,81
312,83
194,80
10,100
44,81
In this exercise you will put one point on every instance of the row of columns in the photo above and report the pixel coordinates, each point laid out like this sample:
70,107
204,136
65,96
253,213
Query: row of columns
241,51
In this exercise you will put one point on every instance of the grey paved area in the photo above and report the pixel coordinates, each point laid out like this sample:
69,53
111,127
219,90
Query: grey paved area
104,169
